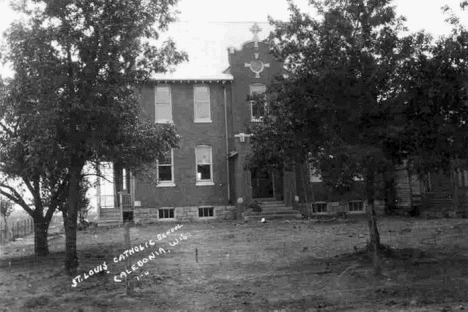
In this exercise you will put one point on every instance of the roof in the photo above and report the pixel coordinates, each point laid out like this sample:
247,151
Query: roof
180,77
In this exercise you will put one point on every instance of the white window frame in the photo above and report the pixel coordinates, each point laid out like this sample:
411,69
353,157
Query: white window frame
251,103
167,209
161,120
200,182
209,208
364,208
321,212
196,102
166,183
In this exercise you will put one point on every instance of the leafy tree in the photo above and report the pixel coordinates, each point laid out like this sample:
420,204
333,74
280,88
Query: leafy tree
6,208
74,96
436,101
336,103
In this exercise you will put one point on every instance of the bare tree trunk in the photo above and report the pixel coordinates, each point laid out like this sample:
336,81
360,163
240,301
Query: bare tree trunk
41,228
70,220
372,220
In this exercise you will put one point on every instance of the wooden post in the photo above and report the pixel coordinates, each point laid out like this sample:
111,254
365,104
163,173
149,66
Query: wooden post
128,262
121,207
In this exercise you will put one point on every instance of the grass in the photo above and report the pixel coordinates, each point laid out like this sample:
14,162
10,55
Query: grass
237,266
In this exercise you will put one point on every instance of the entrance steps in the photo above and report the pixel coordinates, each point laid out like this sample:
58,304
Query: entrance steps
272,210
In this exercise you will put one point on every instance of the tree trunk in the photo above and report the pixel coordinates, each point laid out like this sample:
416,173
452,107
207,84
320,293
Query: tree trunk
41,228
70,217
372,220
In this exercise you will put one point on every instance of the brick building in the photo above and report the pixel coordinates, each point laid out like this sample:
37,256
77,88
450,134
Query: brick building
207,178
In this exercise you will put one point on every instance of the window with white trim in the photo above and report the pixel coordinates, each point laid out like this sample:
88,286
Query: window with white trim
257,108
204,165
356,206
205,212
166,169
166,213
163,104
319,207
202,106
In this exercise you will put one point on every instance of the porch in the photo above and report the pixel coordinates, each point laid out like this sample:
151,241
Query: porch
115,209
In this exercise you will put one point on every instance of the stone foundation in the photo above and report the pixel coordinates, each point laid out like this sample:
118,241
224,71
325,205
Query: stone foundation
339,208
143,215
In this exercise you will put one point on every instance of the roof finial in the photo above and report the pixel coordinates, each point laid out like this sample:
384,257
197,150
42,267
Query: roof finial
255,30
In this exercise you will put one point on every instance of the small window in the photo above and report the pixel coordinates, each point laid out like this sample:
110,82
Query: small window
204,165
257,109
166,213
204,212
163,104
166,169
201,99
314,176
356,206
319,207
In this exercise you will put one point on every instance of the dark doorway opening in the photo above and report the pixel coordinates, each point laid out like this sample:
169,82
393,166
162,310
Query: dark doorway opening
262,183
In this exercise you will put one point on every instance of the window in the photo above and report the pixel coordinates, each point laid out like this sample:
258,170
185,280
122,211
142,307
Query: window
166,213
313,175
204,165
356,206
163,104
257,109
201,99
166,169
319,207
204,212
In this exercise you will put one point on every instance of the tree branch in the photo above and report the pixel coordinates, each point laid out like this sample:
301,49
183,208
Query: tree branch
16,197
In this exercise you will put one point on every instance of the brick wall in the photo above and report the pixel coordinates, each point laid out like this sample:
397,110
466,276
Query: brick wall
186,192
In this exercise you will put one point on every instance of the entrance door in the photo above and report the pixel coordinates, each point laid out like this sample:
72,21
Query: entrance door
262,184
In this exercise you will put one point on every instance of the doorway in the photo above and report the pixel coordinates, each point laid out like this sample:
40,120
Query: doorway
262,183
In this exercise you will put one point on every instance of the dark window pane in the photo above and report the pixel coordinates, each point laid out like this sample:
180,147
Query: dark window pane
165,173
204,172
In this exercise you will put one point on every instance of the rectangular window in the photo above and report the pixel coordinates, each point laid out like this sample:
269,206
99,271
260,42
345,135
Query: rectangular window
166,169
313,175
204,165
257,108
166,213
204,212
201,99
163,104
319,207
356,206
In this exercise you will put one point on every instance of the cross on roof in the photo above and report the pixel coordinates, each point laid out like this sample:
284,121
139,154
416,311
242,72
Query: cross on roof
255,30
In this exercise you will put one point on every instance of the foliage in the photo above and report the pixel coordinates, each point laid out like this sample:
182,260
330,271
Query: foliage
6,208
436,112
74,97
335,107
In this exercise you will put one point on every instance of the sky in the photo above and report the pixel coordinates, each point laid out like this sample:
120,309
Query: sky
206,28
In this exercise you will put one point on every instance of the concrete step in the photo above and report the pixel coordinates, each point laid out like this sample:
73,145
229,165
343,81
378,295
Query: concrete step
108,222
272,204
276,209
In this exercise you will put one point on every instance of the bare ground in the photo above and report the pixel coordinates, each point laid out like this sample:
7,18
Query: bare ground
282,266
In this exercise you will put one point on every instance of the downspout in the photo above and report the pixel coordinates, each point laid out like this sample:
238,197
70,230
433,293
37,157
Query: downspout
227,145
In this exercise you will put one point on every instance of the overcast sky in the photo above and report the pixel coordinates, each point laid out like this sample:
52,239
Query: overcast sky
206,28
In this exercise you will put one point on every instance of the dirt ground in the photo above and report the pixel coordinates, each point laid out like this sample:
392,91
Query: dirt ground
236,266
